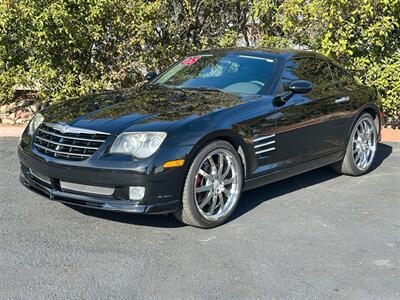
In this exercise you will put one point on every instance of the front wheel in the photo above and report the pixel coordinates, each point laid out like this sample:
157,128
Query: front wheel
361,148
212,187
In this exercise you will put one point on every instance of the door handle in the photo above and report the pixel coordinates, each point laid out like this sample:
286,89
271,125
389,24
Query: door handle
342,99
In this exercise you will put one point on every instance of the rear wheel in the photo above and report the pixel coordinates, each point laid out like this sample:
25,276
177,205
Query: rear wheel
361,148
212,187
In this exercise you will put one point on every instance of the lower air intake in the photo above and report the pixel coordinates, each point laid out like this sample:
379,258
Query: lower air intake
83,189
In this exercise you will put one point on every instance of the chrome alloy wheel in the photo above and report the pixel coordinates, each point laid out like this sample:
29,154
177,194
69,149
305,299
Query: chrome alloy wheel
364,144
216,187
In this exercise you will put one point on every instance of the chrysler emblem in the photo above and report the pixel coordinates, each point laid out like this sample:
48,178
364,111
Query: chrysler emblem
65,128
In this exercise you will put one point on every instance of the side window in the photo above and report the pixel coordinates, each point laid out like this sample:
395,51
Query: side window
340,74
314,70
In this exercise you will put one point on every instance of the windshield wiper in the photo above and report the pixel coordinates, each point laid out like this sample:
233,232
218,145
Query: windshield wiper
168,86
183,88
203,88
162,85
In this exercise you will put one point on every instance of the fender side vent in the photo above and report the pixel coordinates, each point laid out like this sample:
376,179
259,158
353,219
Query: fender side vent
263,144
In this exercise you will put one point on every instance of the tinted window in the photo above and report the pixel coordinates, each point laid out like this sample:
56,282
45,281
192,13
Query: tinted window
340,74
231,73
314,70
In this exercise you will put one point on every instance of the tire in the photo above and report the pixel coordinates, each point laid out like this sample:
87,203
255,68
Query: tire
352,164
205,184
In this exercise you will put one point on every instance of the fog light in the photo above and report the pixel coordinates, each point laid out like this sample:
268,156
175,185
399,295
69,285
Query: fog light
136,192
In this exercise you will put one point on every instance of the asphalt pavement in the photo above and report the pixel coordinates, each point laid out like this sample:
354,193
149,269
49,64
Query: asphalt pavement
313,236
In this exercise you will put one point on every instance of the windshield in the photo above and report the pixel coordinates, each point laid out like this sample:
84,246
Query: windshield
243,74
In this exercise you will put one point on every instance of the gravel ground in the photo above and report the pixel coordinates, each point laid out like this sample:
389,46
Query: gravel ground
316,235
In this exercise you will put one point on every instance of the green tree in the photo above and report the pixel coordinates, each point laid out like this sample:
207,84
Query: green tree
360,34
65,48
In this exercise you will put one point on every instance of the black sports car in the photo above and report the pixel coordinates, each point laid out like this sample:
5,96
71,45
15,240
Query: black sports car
194,137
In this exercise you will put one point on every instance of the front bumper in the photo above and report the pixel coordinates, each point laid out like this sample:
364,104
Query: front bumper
163,190
96,202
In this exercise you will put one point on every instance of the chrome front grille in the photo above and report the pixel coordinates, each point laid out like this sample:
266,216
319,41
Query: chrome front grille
264,144
70,143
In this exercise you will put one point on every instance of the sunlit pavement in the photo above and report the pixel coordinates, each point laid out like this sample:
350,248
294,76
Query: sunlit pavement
317,235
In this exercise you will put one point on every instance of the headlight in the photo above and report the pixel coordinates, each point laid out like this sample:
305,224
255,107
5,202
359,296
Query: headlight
35,123
138,144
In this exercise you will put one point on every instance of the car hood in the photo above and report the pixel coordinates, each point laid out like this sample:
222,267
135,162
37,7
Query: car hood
118,110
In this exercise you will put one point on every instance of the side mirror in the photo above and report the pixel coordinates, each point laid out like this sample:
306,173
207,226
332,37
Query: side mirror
300,86
151,75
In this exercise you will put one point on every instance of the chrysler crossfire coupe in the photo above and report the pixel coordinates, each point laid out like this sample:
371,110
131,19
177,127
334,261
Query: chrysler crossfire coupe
193,138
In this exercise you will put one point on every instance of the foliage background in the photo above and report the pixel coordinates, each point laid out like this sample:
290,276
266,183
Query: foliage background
66,48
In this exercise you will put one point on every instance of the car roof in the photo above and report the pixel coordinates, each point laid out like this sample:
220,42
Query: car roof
275,52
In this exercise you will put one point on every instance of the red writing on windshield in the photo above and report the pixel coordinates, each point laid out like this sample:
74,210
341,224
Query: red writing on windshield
190,60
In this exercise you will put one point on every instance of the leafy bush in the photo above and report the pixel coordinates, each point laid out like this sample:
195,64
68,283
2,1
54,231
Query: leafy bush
363,35
68,48
385,77
65,48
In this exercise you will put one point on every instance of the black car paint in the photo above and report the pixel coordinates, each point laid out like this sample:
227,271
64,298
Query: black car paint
310,130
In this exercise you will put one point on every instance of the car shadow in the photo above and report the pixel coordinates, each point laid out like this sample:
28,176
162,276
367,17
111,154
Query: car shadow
166,221
383,152
250,199
253,198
